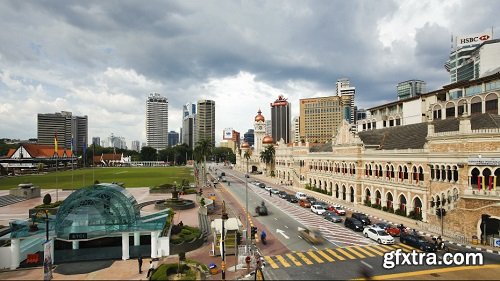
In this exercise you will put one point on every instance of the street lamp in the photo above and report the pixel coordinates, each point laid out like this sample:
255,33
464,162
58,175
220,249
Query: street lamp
223,253
246,200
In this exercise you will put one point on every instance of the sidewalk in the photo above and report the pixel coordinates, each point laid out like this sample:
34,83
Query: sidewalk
378,214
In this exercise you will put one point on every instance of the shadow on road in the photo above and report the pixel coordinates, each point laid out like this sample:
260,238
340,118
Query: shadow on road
81,267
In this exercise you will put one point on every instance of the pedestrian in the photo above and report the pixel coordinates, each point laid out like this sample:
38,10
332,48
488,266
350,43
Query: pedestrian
139,260
270,193
151,268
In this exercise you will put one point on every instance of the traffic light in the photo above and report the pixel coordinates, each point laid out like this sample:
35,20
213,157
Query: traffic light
253,232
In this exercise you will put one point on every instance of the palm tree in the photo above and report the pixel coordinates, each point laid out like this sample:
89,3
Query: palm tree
203,149
247,155
267,156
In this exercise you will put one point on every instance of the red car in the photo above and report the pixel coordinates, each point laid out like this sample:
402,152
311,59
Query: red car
391,229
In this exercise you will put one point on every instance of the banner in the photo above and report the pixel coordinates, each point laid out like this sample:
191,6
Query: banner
47,260
473,39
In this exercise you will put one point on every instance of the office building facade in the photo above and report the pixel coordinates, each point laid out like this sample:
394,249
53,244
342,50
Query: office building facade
410,88
157,121
96,141
320,118
249,137
136,146
68,128
205,121
347,94
173,138
188,124
296,129
281,120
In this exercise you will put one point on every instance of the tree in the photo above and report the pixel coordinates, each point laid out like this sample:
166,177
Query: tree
267,155
148,154
204,148
47,199
247,156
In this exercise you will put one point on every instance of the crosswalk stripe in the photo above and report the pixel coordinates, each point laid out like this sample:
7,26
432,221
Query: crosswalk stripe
293,259
271,262
404,249
304,258
351,249
345,253
323,254
379,250
363,250
387,248
334,254
316,258
283,261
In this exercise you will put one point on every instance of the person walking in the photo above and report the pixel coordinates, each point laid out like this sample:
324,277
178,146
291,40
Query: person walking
270,193
151,268
139,260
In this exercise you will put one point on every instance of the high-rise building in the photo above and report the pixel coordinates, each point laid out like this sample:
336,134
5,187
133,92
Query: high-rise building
296,129
116,142
269,127
249,137
68,128
136,146
467,51
410,89
157,121
205,121
320,118
173,138
188,124
281,119
346,93
96,141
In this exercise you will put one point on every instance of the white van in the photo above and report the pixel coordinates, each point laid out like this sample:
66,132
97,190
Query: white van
300,195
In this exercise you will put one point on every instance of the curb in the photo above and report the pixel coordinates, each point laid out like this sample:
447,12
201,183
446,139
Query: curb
390,222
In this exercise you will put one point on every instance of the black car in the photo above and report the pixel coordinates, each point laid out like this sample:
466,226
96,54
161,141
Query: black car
362,217
354,224
291,198
311,199
261,185
332,216
282,194
417,241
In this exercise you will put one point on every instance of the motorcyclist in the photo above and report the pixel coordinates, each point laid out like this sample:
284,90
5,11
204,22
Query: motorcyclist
263,236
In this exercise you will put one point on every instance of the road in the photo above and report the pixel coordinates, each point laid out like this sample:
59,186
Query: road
342,257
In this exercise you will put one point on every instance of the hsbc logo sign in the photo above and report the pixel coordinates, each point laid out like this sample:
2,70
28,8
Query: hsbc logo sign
473,39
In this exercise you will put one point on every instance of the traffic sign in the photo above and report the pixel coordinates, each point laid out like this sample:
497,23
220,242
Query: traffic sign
248,259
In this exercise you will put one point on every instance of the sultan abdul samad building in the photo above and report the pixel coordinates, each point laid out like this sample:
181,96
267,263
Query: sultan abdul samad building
447,158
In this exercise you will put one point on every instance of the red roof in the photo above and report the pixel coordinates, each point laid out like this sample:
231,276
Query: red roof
40,151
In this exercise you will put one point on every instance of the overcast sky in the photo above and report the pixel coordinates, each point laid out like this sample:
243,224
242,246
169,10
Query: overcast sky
103,58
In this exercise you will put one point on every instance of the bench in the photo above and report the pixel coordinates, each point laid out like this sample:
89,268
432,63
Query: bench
33,258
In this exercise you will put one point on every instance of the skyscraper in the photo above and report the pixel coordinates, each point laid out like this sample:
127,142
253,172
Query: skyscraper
296,129
188,124
136,145
249,137
320,118
410,88
346,93
157,121
66,125
205,121
281,119
96,141
173,138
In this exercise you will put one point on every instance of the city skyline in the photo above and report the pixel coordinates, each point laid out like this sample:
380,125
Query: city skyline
298,50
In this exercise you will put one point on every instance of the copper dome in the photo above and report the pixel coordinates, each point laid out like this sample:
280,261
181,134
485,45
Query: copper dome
259,117
267,140
245,145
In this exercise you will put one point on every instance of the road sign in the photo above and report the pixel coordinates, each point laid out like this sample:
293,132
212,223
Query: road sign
496,242
248,259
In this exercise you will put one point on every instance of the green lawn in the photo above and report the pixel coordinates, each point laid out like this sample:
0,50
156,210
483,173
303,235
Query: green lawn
131,177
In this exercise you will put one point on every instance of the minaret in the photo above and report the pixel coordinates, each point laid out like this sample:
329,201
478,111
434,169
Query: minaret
259,132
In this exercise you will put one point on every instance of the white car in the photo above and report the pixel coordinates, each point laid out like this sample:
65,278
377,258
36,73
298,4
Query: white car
275,191
318,209
378,235
339,210
268,188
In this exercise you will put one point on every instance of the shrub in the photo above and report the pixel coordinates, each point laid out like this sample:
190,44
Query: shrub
368,203
400,212
51,205
47,199
384,209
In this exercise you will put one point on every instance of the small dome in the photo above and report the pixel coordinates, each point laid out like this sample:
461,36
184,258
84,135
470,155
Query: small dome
259,116
245,145
267,140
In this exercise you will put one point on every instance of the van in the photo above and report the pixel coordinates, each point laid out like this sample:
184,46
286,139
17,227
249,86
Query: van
300,195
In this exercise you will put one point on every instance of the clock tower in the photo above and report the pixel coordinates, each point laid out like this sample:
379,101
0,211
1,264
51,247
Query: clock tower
259,132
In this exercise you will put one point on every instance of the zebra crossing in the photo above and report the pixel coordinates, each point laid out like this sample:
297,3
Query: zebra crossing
331,255
6,200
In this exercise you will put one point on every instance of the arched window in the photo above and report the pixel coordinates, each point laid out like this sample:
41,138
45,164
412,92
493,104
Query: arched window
474,177
378,197
433,173
420,174
455,195
455,174
488,178
450,110
438,172
491,104
405,172
476,105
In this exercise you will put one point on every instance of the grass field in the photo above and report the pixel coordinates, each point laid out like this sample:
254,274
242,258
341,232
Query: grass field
131,177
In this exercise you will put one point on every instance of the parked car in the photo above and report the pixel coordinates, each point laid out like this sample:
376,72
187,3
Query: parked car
362,217
417,241
300,195
353,224
339,210
323,204
261,185
222,174
275,191
311,200
268,188
378,235
317,209
389,228
332,216
304,203
282,194
292,199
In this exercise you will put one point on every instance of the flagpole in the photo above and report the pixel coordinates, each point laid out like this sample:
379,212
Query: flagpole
93,164
57,192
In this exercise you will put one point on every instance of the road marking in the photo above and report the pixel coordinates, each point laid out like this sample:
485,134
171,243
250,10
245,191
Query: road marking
283,261
335,254
316,258
271,262
363,250
345,253
431,271
350,249
374,249
324,255
293,259
282,233
304,258
387,248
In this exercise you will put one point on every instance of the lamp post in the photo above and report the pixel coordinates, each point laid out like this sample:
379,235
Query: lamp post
223,253
246,201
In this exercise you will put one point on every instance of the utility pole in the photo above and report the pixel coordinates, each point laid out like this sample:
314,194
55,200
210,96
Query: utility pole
223,252
442,221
